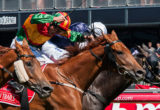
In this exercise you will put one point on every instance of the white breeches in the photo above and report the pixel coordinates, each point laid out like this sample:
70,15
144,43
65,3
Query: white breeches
53,51
49,50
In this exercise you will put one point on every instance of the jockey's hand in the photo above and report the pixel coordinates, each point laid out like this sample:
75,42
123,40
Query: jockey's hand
89,37
59,18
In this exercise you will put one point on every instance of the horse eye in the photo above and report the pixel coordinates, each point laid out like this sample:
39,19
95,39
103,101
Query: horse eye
28,63
119,52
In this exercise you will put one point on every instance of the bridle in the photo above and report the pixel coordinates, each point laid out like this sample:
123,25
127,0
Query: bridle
109,52
107,49
18,58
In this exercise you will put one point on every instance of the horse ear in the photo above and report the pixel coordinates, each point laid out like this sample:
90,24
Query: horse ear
18,46
25,43
107,37
114,35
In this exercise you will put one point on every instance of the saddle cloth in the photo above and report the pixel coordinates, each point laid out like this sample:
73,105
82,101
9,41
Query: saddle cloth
8,95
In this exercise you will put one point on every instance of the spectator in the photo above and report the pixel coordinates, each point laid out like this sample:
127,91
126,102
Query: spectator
40,4
150,47
68,4
158,49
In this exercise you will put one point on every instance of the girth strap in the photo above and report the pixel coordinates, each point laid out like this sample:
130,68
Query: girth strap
68,85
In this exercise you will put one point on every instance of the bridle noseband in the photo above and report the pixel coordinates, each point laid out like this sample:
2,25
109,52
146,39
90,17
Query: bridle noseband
23,55
18,57
108,50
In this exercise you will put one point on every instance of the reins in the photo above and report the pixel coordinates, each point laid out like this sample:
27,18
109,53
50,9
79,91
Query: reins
107,49
97,57
97,96
72,85
6,70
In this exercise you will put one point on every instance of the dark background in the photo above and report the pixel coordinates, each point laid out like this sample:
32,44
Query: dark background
133,25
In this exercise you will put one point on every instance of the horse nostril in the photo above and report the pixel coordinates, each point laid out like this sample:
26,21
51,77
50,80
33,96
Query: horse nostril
47,89
140,72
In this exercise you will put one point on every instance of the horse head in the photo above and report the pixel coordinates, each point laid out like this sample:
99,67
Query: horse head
32,75
120,55
150,62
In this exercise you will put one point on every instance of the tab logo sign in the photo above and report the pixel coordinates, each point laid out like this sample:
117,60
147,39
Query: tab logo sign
133,106
8,20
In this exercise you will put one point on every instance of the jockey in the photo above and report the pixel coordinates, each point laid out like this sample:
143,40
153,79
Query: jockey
94,30
41,27
55,47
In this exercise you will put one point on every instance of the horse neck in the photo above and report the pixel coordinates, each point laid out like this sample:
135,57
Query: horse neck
7,61
112,82
84,67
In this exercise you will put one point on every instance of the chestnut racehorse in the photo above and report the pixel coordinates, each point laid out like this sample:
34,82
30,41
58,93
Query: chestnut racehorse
102,90
75,75
36,78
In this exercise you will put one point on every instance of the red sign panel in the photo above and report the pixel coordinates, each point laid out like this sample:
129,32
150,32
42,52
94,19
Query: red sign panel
134,106
137,101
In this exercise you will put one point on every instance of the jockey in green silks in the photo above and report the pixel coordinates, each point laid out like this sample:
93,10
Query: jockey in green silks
39,28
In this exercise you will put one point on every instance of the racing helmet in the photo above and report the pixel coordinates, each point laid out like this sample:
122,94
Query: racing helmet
65,24
98,28
80,27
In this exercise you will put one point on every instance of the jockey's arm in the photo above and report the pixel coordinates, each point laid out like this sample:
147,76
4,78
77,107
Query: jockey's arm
75,36
78,37
45,18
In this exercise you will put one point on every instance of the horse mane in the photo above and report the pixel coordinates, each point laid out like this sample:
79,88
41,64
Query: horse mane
74,50
4,50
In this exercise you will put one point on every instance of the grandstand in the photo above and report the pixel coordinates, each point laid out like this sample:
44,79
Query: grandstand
130,18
